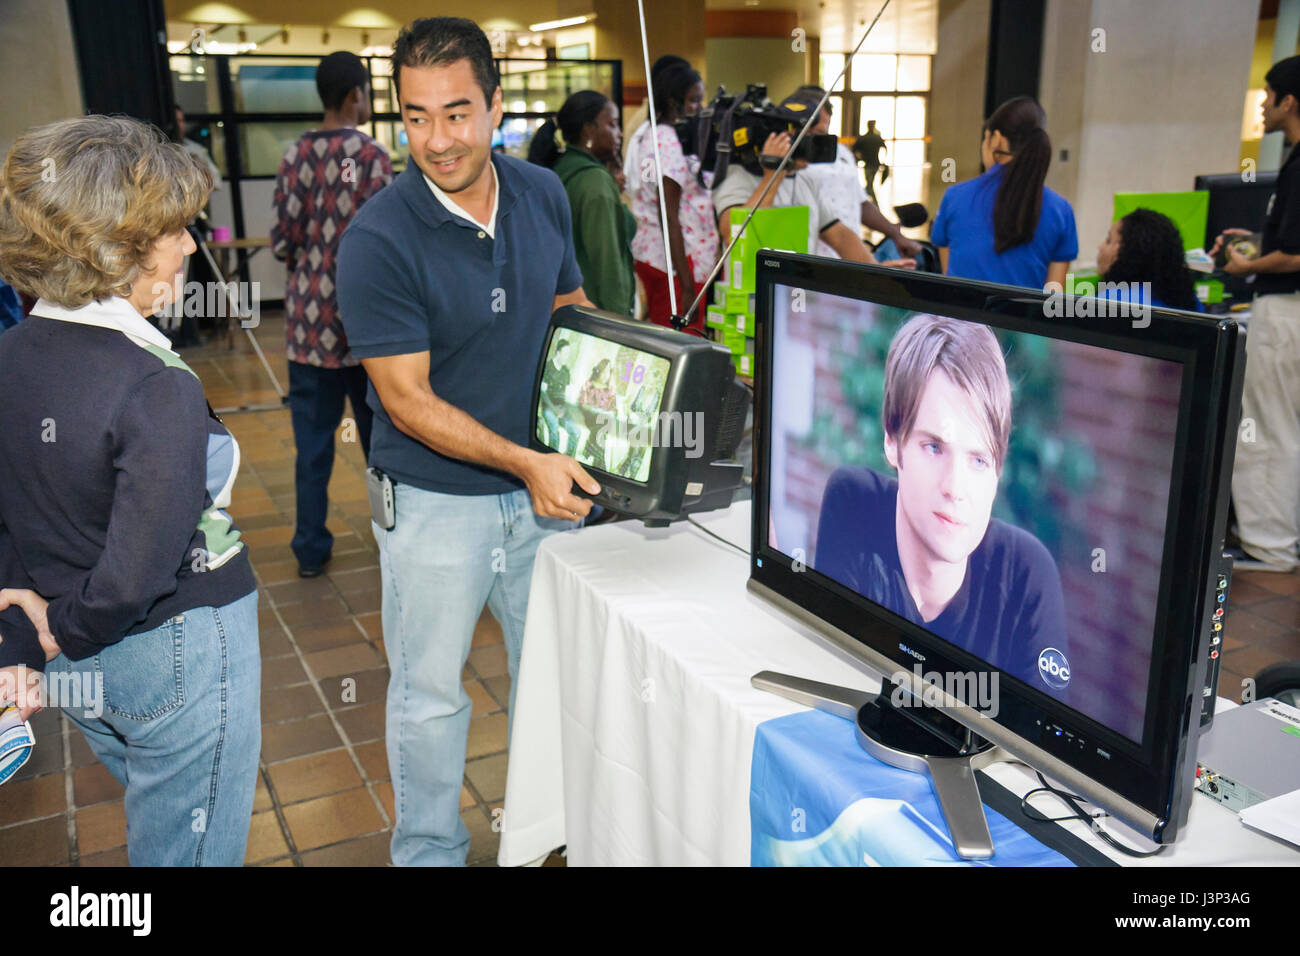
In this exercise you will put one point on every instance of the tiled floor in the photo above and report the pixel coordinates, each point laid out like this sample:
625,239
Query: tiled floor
324,797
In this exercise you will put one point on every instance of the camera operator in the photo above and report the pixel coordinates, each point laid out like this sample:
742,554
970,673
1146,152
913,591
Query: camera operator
839,184
742,187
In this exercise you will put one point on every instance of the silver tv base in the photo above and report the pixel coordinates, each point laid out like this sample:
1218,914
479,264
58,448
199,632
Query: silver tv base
917,741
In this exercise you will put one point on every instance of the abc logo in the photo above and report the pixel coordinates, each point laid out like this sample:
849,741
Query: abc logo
1053,668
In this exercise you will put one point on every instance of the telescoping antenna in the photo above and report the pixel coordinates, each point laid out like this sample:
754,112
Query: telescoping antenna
681,321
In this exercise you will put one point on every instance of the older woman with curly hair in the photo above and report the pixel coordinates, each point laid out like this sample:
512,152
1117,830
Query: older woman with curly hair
134,584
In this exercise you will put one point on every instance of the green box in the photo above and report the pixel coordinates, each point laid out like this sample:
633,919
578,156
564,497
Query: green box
744,364
1209,291
735,301
734,341
781,229
1189,211
714,317
742,322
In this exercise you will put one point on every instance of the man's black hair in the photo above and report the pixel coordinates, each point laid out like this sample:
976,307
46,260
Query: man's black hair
440,41
339,74
561,344
1284,78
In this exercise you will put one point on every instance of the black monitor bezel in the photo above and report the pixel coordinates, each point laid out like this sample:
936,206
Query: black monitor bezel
1146,772
655,340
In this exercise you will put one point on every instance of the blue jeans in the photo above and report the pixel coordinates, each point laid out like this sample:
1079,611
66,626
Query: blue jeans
556,440
446,557
181,729
316,408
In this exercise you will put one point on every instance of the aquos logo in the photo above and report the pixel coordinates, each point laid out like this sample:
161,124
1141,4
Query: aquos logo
1053,668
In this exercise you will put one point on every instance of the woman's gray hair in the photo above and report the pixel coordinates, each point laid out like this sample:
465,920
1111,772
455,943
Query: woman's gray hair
83,201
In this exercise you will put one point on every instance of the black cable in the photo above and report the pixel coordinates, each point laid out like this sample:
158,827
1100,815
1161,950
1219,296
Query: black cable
719,537
1071,800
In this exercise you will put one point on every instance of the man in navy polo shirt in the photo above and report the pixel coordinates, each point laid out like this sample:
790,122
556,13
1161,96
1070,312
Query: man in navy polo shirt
447,281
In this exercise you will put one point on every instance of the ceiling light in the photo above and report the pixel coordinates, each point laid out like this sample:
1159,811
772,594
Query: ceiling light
556,24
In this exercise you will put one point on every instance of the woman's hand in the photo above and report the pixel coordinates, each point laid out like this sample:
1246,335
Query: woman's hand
35,607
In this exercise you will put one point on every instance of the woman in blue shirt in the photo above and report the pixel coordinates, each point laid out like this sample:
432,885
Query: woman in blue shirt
1005,225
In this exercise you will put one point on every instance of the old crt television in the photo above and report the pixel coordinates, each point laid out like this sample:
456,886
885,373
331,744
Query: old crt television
1236,203
653,415
949,483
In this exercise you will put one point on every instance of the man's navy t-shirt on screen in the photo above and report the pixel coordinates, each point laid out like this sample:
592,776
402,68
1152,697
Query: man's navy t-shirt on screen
965,225
1009,609
413,277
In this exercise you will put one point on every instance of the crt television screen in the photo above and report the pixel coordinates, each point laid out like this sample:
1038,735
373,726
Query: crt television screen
600,403
1005,491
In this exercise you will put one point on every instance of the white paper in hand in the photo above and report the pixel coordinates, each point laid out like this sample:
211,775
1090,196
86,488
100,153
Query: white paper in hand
16,742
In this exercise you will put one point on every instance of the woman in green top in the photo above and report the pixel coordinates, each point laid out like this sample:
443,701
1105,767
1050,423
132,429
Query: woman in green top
577,144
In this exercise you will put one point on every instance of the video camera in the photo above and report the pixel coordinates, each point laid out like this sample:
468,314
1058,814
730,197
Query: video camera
734,129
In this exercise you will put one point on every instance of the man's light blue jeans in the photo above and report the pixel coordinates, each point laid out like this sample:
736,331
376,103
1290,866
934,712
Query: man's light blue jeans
180,726
447,556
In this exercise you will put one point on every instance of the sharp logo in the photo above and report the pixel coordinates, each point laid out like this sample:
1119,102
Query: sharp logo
907,650
1053,668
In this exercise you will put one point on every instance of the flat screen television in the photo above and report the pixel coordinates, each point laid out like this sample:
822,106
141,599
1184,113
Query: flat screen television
950,484
652,414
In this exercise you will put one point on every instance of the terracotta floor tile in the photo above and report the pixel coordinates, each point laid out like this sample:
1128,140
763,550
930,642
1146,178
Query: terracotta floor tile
30,799
488,777
81,752
487,631
1286,645
35,844
482,700
1248,661
301,589
361,579
483,841
93,784
499,687
276,572
374,759
313,776
321,637
325,611
371,624
261,796
1284,611
265,838
364,602
365,687
363,723
282,671
365,851
298,737
384,791
356,560
101,827
115,857
273,641
290,703
487,735
333,819
278,534
347,660
466,798
488,661
1288,584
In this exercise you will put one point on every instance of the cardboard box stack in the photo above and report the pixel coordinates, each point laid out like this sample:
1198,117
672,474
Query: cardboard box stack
732,313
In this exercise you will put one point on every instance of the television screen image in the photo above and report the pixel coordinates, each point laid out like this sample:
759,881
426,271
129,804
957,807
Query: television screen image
1005,491
600,401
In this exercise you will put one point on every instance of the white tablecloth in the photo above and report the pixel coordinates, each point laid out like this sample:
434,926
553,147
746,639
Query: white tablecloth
635,719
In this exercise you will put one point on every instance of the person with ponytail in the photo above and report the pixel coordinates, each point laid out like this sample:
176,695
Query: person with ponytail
1005,225
692,232
1142,261
579,143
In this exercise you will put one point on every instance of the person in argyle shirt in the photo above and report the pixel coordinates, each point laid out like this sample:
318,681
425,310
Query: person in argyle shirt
324,179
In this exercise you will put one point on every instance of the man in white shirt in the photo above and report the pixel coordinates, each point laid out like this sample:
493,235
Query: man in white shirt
840,186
